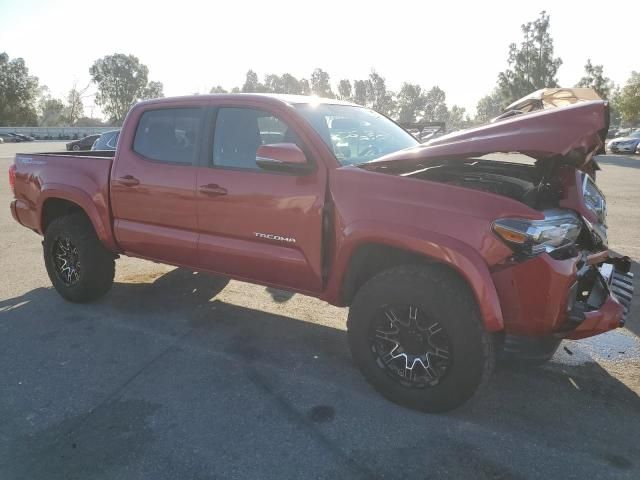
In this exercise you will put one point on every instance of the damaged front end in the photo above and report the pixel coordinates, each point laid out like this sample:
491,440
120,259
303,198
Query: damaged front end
600,299
561,280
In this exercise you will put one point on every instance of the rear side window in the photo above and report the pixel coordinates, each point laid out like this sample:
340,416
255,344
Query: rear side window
169,135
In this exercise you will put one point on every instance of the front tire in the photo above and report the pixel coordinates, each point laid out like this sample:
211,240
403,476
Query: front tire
416,335
76,148
79,266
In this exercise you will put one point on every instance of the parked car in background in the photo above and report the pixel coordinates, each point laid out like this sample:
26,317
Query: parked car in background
8,138
24,138
17,137
107,141
627,144
83,143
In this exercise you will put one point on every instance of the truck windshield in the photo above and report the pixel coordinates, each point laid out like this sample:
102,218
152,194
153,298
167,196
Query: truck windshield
355,134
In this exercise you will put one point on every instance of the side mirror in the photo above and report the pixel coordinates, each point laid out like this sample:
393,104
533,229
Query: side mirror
282,157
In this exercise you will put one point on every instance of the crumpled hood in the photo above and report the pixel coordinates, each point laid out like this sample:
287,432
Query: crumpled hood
571,134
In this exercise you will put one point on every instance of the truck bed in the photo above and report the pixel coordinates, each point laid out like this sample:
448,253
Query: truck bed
81,179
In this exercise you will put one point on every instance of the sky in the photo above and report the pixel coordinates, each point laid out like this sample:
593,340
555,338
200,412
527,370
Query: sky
191,46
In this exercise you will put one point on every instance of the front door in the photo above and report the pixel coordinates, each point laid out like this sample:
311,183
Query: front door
254,224
153,185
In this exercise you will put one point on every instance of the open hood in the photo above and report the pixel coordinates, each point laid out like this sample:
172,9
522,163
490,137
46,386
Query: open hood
570,134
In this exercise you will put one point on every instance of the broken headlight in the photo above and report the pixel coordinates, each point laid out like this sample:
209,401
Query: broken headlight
559,229
594,199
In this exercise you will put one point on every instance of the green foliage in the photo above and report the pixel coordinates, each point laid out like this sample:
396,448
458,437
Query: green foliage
89,122
121,81
320,84
455,119
532,65
435,108
251,83
18,93
152,90
75,107
360,92
51,111
628,101
344,90
410,103
489,106
273,83
378,98
217,89
594,78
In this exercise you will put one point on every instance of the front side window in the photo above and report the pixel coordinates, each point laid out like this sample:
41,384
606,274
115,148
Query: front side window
355,134
239,132
169,135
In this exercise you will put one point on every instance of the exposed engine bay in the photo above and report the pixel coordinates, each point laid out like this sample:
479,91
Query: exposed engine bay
526,183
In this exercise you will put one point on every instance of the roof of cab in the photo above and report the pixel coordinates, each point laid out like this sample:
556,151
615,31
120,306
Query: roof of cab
279,97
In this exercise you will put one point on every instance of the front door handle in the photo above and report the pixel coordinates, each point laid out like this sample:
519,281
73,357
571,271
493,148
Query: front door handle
212,189
128,181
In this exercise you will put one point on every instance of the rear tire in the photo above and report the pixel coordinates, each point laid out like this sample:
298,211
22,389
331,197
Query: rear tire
437,302
79,266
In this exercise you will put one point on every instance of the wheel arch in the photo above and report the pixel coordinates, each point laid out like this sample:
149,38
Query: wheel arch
55,201
365,256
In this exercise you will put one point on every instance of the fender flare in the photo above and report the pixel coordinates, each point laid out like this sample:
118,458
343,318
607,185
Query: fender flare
75,195
464,259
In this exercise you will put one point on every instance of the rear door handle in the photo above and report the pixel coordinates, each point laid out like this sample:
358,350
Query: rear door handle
212,189
128,181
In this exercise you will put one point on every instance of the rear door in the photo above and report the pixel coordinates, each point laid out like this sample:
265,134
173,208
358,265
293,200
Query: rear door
254,224
153,184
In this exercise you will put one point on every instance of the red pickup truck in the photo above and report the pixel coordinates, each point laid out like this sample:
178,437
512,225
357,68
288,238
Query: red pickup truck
447,253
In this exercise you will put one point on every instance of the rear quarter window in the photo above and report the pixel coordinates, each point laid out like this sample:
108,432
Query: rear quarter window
169,135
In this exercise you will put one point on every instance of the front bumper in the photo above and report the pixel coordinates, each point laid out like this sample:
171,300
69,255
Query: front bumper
572,298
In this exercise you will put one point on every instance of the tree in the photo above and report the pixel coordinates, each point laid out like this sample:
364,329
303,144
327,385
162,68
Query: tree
121,81
152,90
75,106
51,112
251,83
615,117
595,78
18,93
378,97
489,106
305,87
455,120
273,83
411,103
89,122
344,90
360,92
628,102
532,65
217,89
320,84
290,84
435,109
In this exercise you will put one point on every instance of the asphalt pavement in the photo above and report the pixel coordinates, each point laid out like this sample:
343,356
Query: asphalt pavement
167,378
